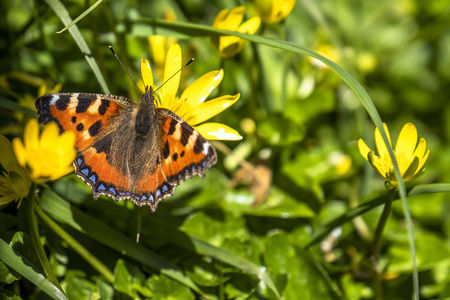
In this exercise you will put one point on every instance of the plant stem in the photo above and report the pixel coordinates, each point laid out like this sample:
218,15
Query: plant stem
375,248
33,226
82,251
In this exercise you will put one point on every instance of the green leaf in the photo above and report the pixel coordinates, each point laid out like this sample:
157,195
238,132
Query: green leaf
6,276
320,102
273,130
8,104
85,13
167,289
277,205
131,283
65,213
78,287
294,269
22,266
240,286
202,270
431,251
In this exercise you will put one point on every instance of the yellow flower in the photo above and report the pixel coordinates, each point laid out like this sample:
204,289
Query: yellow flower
159,44
273,11
191,105
47,157
14,182
410,156
231,20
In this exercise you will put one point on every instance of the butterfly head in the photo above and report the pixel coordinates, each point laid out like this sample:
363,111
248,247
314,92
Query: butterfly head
148,97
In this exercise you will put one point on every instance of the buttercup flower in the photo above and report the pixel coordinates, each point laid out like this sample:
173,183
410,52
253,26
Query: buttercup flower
159,45
410,156
14,182
231,20
47,157
191,105
273,11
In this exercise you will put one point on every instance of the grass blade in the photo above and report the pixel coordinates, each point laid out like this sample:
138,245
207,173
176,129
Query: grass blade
324,230
63,15
21,265
8,104
85,13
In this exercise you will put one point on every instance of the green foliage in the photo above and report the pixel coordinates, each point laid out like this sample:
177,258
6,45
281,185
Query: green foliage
292,210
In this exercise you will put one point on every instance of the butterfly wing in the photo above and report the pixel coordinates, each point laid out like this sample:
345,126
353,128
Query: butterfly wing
95,119
86,114
185,152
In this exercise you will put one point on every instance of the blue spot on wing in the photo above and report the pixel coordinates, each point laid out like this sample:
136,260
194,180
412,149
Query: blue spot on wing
165,188
93,178
101,187
85,171
79,161
158,192
112,190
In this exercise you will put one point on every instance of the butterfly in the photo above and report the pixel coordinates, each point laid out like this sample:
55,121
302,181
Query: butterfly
127,150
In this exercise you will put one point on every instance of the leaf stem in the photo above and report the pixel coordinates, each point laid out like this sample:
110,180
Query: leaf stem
375,248
33,226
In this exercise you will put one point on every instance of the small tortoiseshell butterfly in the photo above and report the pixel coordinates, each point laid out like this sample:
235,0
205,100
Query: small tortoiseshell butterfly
128,150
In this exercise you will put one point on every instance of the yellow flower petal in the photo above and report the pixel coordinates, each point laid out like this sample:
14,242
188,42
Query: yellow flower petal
220,17
172,66
379,165
410,158
19,150
407,140
146,73
250,26
198,91
217,131
211,108
231,45
31,134
363,149
423,160
53,155
49,135
158,47
273,11
420,150
379,142
231,20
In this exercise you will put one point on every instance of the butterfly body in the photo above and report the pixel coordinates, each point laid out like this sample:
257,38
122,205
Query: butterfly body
128,150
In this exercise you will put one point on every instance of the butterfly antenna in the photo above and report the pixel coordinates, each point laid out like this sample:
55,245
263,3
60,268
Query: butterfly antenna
187,64
120,62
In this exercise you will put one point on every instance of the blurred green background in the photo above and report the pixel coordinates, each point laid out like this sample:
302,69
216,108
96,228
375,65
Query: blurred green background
296,169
